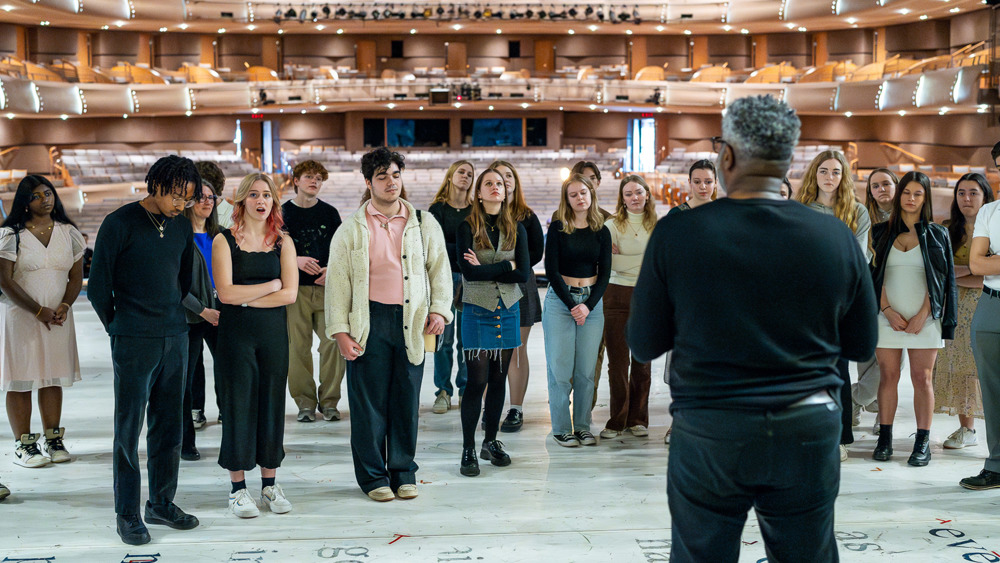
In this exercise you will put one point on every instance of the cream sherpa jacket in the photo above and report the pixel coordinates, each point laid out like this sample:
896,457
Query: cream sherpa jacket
425,265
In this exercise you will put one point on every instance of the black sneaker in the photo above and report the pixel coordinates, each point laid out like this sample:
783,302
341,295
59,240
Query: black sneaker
190,454
586,438
566,440
985,480
513,422
198,418
169,515
470,465
131,529
493,451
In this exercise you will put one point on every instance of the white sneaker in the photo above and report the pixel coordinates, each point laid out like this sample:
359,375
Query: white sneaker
243,505
961,438
608,433
54,445
274,498
843,453
875,429
666,439
26,452
330,413
638,431
442,404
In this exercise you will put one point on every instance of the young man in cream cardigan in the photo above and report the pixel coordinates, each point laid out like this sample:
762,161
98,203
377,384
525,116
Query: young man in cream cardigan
388,284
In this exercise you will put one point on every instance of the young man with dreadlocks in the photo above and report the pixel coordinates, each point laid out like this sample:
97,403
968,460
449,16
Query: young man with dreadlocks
141,272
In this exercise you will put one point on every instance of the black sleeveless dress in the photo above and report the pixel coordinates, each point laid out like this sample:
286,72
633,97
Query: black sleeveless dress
251,368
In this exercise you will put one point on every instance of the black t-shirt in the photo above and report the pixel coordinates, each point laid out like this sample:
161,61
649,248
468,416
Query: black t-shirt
583,254
138,278
450,218
758,299
311,228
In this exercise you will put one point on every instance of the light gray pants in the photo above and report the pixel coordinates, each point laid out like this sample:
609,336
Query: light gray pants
986,350
866,389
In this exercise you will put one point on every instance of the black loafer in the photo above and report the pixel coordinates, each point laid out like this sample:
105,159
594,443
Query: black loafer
169,515
921,455
131,529
513,422
493,451
470,465
191,454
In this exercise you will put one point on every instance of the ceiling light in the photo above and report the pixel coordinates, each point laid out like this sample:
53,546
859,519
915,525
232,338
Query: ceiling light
251,27
592,107
944,110
124,116
560,108
303,112
222,30
727,28
605,110
340,32
955,10
904,11
901,112
592,27
524,105
848,114
163,30
105,27
456,27
660,28
628,32
322,108
188,113
852,20
64,117
458,105
320,27
413,32
10,116
119,23
499,31
281,32
491,108
571,32
183,26
44,23
687,32
390,105
802,29
790,25
745,31
923,17
659,109
421,108
6,7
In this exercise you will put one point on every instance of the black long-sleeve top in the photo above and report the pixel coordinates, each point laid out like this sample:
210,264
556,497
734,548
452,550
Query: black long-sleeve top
450,219
583,254
757,298
501,271
536,238
138,280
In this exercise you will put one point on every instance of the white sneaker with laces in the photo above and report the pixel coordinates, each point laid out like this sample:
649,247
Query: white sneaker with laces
274,498
843,453
638,431
608,433
961,438
243,505
27,454
442,403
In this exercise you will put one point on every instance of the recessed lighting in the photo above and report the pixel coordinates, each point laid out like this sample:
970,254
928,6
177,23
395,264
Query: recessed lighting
901,112
592,27
802,29
320,27
163,30
852,21
955,10
499,31
255,110
6,7
560,108
727,27
64,117
571,32
322,108
222,30
413,32
790,25
983,108
592,107
944,110
848,114
124,116
458,105
303,112
10,116
904,11
119,23
605,110
524,105
183,26
340,31
745,31
105,27
390,105
687,32
282,110
188,113
491,108
660,28
281,32
658,109
924,17
628,32
456,27
421,108
251,27
44,23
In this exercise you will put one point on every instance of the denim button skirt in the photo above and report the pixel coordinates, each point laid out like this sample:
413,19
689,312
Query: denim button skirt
483,329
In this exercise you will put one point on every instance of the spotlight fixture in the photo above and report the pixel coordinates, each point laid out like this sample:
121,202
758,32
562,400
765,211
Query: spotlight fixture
290,14
387,13
478,14
314,15
341,12
416,13
600,13
277,16
488,12
572,12
623,16
302,14
529,14
440,11
376,14
635,15
589,11
326,12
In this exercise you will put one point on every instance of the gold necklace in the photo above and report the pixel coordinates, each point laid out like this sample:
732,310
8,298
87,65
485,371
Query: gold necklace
33,227
159,225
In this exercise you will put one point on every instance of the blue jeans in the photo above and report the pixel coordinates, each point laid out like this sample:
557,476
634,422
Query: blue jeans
443,358
570,355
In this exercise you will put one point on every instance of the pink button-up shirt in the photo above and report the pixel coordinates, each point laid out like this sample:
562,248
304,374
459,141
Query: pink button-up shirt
385,252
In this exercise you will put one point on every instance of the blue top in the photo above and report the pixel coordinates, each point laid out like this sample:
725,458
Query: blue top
204,244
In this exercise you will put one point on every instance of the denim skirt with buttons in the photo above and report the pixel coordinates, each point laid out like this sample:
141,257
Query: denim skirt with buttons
483,329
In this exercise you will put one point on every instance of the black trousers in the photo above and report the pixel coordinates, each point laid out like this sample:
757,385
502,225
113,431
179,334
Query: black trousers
846,403
783,464
148,371
252,372
199,334
383,392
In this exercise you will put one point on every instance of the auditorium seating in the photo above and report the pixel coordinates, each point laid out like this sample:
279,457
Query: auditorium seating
106,166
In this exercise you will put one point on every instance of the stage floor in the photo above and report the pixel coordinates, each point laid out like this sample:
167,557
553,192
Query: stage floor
553,504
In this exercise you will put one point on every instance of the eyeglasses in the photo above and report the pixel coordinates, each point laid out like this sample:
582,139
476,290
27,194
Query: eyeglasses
185,203
717,144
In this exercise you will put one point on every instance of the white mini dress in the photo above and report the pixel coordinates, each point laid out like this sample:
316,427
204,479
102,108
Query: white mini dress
905,287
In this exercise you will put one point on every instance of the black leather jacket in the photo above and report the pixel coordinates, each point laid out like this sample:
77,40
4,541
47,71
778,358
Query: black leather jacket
939,269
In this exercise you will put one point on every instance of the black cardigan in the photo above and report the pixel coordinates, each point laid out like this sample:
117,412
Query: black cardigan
939,269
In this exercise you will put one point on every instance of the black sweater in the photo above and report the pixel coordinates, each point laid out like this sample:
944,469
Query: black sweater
450,219
536,238
311,229
137,279
757,298
583,254
500,272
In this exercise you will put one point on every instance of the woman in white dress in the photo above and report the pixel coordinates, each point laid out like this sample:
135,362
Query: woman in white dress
41,273
914,279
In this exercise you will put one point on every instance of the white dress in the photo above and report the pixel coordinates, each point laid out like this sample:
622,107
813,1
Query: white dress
905,287
33,357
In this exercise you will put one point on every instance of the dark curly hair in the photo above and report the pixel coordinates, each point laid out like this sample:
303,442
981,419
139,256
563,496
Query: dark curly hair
213,176
171,174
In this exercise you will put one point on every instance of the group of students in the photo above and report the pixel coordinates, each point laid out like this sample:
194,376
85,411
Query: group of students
378,287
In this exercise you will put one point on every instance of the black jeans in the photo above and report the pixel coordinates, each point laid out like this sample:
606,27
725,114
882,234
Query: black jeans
148,371
846,403
383,392
784,464
199,334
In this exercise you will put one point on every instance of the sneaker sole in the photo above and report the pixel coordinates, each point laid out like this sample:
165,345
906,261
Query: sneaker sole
61,459
497,461
510,429
246,516
959,446
275,510
568,444
163,522
32,466
979,487
140,541
437,410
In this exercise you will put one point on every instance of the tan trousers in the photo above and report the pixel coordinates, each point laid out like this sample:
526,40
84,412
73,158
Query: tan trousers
305,317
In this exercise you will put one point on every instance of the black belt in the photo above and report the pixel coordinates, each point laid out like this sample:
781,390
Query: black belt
574,289
991,292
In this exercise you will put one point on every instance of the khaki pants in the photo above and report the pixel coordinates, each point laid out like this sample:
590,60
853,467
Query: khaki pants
305,317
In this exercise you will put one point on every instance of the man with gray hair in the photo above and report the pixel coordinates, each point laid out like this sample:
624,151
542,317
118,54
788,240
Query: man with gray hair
756,325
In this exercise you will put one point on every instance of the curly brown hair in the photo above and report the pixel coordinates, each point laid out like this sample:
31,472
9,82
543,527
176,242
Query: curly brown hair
212,175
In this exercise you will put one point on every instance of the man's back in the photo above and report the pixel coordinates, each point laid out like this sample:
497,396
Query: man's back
762,298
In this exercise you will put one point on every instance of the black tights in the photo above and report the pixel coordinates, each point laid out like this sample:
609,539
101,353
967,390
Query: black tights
487,372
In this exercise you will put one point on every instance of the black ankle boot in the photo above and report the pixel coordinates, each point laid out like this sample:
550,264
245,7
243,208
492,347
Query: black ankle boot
883,450
493,451
921,455
470,464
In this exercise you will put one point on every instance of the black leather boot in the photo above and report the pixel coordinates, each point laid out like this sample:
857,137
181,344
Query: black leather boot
470,464
883,450
493,451
921,455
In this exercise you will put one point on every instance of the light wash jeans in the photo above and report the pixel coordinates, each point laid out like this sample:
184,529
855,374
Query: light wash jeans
452,336
570,355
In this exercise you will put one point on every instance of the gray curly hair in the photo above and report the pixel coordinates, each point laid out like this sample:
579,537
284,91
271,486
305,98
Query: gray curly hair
761,127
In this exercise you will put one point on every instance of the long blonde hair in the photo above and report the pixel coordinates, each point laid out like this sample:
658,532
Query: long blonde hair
648,210
565,214
519,209
477,218
843,207
443,194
